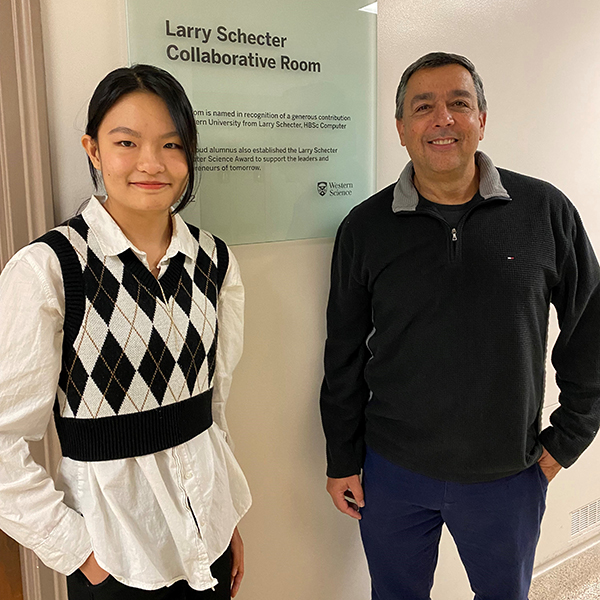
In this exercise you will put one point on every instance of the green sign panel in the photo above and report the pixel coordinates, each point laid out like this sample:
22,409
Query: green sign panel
284,98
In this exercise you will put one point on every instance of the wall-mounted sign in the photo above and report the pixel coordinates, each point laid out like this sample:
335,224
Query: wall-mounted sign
284,97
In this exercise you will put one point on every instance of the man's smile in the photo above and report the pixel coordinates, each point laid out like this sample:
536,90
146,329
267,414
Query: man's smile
443,141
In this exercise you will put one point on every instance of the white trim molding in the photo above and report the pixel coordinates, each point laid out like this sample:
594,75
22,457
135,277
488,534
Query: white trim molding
25,186
26,207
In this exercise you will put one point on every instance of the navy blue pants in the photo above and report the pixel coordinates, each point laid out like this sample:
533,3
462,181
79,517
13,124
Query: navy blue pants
495,525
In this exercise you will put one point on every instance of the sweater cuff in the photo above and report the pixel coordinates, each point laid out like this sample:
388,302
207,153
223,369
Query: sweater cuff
68,546
335,473
343,464
563,450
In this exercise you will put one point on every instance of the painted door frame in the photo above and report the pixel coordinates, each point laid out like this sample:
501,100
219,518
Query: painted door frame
26,207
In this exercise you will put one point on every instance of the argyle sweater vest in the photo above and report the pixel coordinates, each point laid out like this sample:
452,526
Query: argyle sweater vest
138,354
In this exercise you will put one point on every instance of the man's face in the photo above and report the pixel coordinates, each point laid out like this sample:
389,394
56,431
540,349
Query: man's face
441,125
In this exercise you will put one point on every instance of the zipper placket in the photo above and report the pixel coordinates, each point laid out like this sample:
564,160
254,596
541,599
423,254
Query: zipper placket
453,248
454,244
454,231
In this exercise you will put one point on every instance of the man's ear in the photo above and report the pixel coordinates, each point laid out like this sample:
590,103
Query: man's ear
482,120
400,128
91,148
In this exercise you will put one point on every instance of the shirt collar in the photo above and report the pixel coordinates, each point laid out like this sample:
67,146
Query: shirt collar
406,196
112,240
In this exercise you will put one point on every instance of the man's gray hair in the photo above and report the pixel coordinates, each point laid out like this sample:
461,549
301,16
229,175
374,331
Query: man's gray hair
432,61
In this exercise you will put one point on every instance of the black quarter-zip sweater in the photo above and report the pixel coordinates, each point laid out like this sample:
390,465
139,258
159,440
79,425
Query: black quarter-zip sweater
435,355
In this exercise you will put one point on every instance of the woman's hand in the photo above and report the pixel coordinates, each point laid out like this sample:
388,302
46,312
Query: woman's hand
237,562
93,572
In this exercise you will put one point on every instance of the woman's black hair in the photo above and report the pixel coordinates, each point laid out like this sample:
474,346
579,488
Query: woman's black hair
147,78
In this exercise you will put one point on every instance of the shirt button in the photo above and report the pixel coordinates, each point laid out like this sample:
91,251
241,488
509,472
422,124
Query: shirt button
188,475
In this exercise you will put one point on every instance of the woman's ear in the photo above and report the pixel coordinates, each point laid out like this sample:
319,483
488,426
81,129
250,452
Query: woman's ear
91,147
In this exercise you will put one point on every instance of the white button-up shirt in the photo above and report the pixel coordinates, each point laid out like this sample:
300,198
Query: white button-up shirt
150,520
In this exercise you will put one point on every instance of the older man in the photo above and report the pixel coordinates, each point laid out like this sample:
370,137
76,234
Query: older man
435,357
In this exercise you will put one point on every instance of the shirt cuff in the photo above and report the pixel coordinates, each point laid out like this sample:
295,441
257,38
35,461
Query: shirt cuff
68,546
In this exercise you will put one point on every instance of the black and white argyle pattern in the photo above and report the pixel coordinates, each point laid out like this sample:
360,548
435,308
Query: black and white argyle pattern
132,343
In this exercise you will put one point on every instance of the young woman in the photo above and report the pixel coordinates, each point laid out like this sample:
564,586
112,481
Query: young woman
127,324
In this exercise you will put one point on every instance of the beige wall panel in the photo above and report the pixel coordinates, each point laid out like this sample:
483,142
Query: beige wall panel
83,41
295,539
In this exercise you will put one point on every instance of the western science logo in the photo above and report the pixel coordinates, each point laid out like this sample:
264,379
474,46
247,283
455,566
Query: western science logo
335,188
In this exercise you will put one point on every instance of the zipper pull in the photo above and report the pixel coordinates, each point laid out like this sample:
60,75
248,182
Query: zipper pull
454,236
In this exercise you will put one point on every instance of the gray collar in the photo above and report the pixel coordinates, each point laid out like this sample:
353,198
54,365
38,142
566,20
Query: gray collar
406,196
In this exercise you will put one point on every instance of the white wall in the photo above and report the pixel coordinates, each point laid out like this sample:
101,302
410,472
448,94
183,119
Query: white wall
82,41
541,67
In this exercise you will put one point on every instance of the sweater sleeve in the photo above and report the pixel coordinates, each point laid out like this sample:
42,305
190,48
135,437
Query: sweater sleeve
576,354
32,511
344,393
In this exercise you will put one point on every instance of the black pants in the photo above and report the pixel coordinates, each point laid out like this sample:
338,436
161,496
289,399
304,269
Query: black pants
110,589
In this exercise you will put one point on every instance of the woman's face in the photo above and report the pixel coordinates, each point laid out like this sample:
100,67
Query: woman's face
140,155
